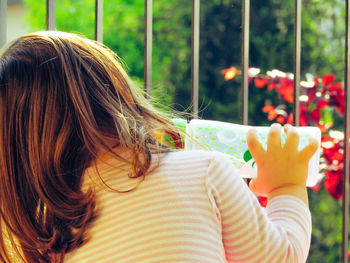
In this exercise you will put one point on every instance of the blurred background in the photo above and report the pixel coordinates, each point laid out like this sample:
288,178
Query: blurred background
271,60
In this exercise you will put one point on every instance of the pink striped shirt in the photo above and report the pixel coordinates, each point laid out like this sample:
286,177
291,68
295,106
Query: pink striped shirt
193,207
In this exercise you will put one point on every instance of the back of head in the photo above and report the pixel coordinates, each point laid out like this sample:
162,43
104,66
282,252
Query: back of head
63,100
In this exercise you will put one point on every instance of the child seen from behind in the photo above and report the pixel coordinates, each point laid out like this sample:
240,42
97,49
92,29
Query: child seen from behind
84,179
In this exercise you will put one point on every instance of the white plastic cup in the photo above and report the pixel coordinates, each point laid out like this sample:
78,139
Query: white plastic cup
230,139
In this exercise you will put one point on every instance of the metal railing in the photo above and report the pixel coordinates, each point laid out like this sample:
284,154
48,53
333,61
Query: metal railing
148,48
345,198
50,25
3,23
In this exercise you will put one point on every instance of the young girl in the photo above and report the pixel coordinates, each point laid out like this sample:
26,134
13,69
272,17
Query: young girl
84,179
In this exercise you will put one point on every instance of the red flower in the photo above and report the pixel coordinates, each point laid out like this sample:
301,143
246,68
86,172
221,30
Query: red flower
281,119
332,150
268,108
271,110
303,116
272,85
333,154
322,104
333,183
310,93
286,89
336,86
315,114
272,115
336,93
229,73
261,82
327,79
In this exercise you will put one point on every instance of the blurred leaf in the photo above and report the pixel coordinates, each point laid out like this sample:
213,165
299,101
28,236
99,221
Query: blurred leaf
327,115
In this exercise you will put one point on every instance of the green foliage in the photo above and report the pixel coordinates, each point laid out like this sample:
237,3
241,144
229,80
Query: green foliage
326,227
271,46
327,116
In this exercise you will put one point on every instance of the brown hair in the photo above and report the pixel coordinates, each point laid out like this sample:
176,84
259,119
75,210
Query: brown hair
62,98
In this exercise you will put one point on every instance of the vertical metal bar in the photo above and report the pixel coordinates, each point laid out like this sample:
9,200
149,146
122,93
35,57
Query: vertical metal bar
297,55
195,58
3,22
245,59
148,49
99,20
345,203
50,15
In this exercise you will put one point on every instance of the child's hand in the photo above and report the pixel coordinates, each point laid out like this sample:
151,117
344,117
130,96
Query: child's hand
277,166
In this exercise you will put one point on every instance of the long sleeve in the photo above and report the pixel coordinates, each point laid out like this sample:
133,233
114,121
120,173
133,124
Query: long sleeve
250,233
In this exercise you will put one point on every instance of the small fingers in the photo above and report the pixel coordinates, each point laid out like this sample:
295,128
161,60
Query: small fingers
274,138
309,150
255,147
292,140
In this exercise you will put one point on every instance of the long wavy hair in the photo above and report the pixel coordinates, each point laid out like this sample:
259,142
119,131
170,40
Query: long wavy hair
63,99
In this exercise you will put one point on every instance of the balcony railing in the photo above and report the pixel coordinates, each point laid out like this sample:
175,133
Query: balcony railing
50,25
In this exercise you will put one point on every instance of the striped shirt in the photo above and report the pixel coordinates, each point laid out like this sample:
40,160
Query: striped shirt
193,207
